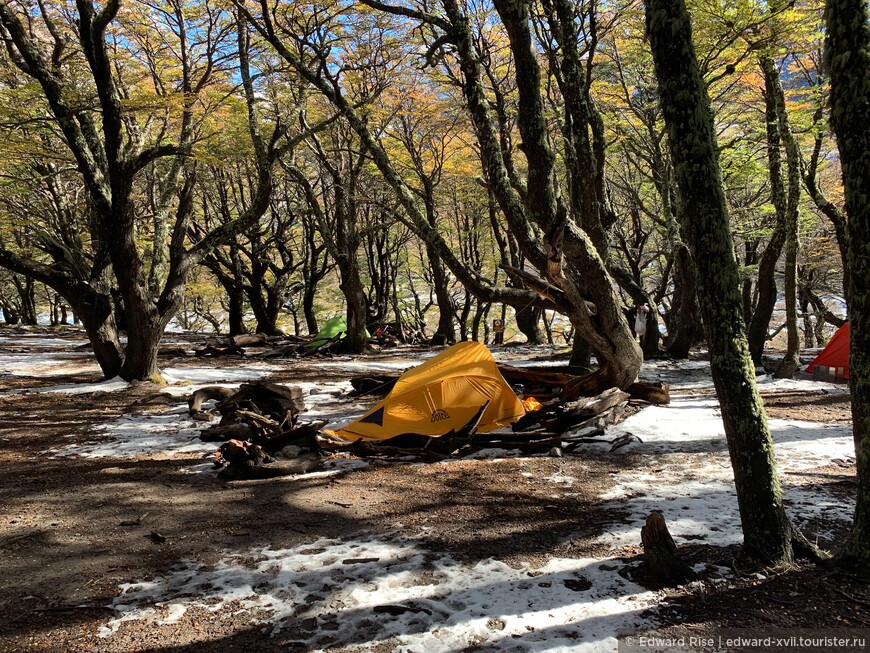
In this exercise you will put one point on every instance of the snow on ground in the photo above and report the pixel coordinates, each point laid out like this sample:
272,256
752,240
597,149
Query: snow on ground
194,376
47,364
161,435
334,591
329,589
700,501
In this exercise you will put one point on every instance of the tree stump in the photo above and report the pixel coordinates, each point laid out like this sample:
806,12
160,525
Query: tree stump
660,552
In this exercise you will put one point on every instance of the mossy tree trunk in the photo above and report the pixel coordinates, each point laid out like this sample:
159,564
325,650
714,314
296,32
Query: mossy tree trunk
683,324
788,206
847,57
767,530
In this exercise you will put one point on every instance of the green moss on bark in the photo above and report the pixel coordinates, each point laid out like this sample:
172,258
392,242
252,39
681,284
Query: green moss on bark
847,58
685,105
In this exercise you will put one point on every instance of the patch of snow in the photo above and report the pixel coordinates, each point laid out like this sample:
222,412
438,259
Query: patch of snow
165,435
111,385
200,376
560,479
766,383
698,499
47,364
333,593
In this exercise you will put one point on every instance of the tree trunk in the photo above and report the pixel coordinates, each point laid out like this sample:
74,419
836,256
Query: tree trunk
352,288
767,530
97,316
847,55
660,553
144,332
581,353
98,319
652,336
445,334
27,296
308,309
791,361
766,290
529,323
10,316
683,324
236,310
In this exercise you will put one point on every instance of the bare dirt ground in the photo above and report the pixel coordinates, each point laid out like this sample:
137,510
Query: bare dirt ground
73,529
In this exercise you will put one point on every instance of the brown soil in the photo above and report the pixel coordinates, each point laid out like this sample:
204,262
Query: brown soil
73,529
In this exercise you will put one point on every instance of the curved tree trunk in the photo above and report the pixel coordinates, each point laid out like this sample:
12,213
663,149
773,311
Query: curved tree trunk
26,288
95,312
767,530
90,303
766,290
791,361
308,308
236,311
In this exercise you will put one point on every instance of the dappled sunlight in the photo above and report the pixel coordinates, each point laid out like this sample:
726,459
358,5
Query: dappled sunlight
340,591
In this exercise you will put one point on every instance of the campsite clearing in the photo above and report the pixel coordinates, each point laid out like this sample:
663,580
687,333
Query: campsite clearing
117,536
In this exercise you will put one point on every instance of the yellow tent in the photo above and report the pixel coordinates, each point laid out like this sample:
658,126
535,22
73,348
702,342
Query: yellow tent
443,393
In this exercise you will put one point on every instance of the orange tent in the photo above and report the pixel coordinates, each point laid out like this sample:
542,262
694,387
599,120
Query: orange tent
443,393
834,357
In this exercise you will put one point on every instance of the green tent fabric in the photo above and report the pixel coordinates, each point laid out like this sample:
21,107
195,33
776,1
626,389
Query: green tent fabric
336,326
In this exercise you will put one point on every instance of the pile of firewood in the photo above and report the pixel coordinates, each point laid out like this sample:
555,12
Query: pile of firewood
262,437
260,429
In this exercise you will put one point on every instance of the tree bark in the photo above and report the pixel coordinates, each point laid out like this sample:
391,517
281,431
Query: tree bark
529,323
683,325
660,552
767,530
791,361
847,56
444,334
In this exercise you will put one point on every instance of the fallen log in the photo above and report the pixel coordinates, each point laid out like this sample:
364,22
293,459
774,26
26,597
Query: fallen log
214,350
269,399
589,385
199,397
256,411
560,417
249,340
172,350
246,460
220,433
303,437
654,393
551,381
